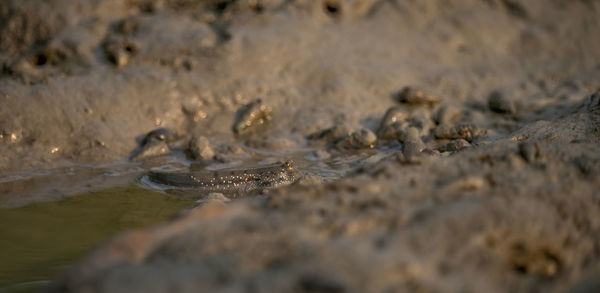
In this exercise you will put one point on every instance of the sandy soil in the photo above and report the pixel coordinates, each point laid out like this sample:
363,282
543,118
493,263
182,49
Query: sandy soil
488,182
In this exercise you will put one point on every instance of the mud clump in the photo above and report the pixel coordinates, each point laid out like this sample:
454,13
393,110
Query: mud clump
200,148
412,145
455,145
155,143
498,102
251,116
416,97
362,138
467,132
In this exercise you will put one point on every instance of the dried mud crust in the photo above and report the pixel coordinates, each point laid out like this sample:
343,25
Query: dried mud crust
492,114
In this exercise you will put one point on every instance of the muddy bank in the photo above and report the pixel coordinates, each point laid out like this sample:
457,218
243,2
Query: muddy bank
190,66
446,145
494,218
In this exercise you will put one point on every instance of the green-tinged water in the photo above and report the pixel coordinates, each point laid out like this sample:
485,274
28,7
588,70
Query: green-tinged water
39,241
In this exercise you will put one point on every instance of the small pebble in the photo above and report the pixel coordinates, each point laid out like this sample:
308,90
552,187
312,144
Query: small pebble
499,103
252,115
530,151
392,115
412,145
364,138
465,131
360,139
454,145
200,148
159,134
393,130
415,97
152,149
154,143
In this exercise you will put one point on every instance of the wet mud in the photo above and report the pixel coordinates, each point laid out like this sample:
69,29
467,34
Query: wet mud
439,146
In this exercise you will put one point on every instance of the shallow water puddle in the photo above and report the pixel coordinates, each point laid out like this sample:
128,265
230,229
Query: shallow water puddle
40,240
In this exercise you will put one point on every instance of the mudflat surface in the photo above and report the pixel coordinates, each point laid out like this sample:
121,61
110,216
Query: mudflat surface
481,177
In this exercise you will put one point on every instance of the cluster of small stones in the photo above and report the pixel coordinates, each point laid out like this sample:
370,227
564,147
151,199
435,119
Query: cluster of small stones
345,137
421,117
420,122
162,141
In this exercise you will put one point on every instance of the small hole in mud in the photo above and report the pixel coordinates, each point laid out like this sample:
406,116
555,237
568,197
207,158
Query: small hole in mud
332,8
319,284
258,8
520,269
40,60
130,49
221,6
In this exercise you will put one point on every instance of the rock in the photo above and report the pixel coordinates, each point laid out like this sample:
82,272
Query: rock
411,96
154,144
393,131
363,138
149,150
159,134
412,145
392,115
251,116
454,145
465,131
200,148
499,103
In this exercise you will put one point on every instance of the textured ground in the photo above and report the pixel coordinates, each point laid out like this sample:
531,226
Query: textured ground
517,210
